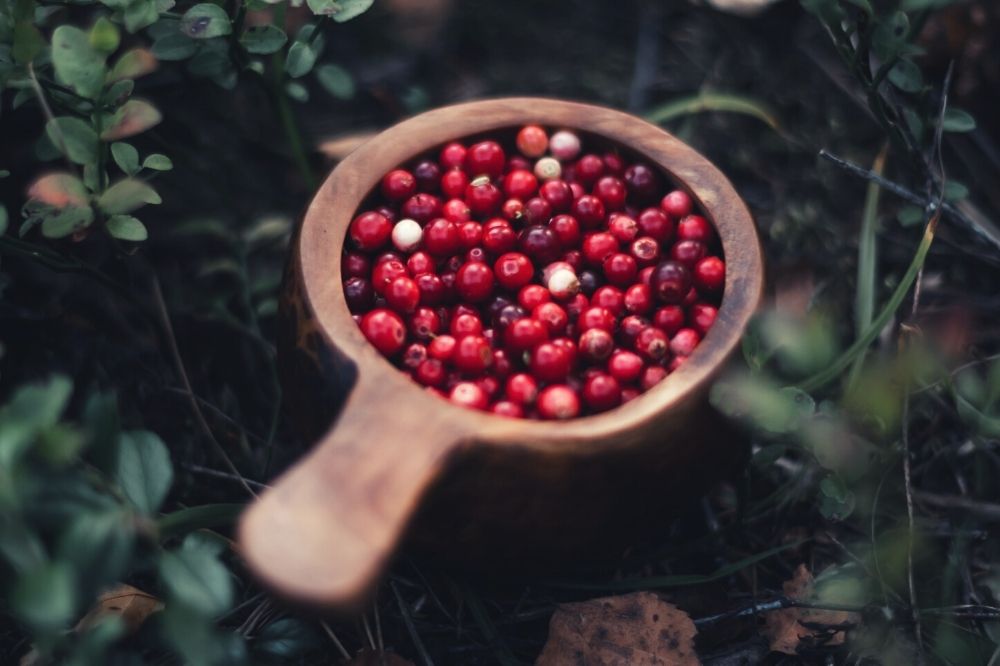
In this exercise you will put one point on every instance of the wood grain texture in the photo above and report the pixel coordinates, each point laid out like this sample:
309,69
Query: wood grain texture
471,486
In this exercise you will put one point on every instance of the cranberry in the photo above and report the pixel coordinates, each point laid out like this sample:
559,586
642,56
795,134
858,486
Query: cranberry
403,294
588,169
695,227
356,264
452,156
642,182
420,262
567,229
539,243
485,158
441,237
522,389
575,260
432,289
652,343
442,347
564,145
568,346
675,362
639,299
508,409
424,323
589,210
498,237
671,281
532,296
537,210
576,306
385,330
470,234
482,196
622,227
370,231
610,298
453,183
596,344
651,376
508,315
430,373
684,341
532,141
669,319
469,394
398,184
513,270
601,392
710,274
630,328
596,317
702,316
688,252
561,281
611,192
558,402
620,269
359,294
456,210
676,204
558,194
520,184
512,209
466,323
428,175
629,393
550,362
524,334
414,355
598,246
646,275
654,223
422,207
548,168
472,354
625,366
489,384
501,363
613,163
384,273
589,282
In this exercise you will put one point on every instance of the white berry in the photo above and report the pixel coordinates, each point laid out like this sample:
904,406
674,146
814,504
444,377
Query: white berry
548,168
561,281
406,235
564,145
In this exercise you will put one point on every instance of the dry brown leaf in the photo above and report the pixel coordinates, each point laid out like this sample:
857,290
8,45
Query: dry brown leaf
376,658
130,603
785,628
636,629
341,146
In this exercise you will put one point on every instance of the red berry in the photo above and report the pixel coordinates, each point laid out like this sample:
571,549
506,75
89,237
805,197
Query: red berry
669,319
468,394
430,373
384,273
402,295
421,207
676,204
702,316
688,252
398,184
646,275
533,295
513,270
588,169
695,227
501,363
414,355
646,251
596,344
432,289
599,246
620,269
652,343
601,392
625,366
557,193
428,175
639,299
489,384
550,362
622,227
613,164
482,196
553,316
472,354
356,264
652,376
596,317
532,141
520,184
512,209
470,234
485,158
654,223
385,330
608,297
474,281
521,389
441,237
684,342
537,210
630,328
611,192
508,409
670,281
710,274
370,231
424,323
454,182
589,210
539,243
465,324
641,182
442,347
568,346
498,237
566,229
452,156
558,402
359,294
456,210
629,393
420,262
524,334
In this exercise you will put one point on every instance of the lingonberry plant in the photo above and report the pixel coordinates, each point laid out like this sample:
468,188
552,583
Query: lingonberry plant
531,280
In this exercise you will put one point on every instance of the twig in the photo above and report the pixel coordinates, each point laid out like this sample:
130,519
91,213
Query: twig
336,641
49,117
208,471
985,510
410,627
168,331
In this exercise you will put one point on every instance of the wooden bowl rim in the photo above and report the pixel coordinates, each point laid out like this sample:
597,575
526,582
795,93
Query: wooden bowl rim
324,229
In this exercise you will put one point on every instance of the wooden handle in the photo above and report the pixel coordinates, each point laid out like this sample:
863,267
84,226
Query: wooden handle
326,529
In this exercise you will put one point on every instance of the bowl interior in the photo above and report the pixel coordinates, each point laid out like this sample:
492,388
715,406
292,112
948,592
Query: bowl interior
352,183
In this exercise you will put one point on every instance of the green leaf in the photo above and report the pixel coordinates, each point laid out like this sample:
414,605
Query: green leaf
59,190
134,117
45,598
126,157
286,639
301,58
955,191
3,219
78,65
336,80
909,216
713,102
957,120
126,196
126,227
205,20
157,162
174,46
74,136
104,36
906,76
140,14
144,470
263,39
132,65
863,5
194,518
99,546
196,578
33,408
28,42
349,9
890,35
297,91
118,92
66,221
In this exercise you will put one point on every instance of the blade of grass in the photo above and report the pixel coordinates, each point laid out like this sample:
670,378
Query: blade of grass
713,102
482,618
864,302
834,370
679,580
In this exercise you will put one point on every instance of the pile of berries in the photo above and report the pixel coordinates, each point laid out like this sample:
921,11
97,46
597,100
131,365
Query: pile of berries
539,283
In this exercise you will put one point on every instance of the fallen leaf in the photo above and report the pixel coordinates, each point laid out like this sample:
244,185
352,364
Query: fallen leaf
59,190
789,628
636,629
340,147
378,658
130,603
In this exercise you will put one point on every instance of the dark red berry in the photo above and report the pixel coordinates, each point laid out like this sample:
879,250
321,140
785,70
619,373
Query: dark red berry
421,207
456,210
550,362
630,328
558,194
670,281
620,269
599,246
676,204
622,227
498,237
537,211
596,317
432,289
601,392
625,366
414,355
654,223
609,297
588,169
533,295
398,184
611,192
384,273
483,197
428,175
669,319
424,323
695,227
540,243
596,345
589,211
641,182
430,373
553,316
356,264
485,158
652,343
524,334
688,252
566,229
359,294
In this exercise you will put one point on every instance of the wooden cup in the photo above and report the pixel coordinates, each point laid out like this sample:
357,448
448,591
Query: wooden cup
475,488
